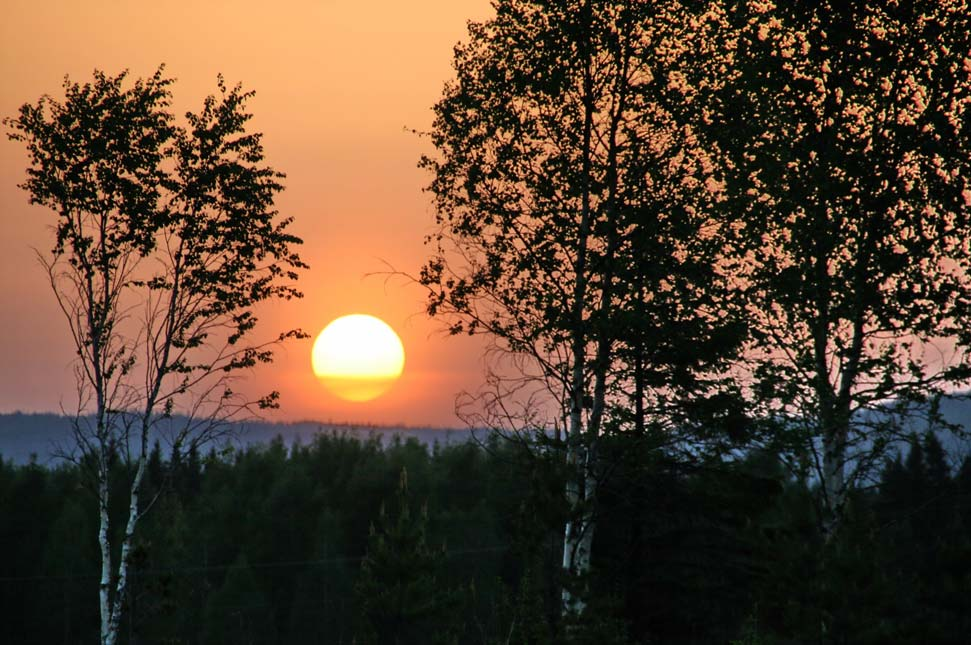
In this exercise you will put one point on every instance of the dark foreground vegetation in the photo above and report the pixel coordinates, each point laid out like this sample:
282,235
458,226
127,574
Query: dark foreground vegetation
345,541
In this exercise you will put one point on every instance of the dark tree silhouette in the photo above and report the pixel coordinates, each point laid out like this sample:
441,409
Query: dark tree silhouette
166,239
575,230
402,593
845,129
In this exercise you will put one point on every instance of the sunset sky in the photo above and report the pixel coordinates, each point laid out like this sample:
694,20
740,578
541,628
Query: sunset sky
339,84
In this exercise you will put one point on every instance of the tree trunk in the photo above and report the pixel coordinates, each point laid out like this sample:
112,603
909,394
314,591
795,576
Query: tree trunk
578,530
124,562
833,477
833,486
578,533
104,590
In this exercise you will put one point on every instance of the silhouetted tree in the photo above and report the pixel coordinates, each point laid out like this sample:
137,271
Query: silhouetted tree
238,612
845,129
166,239
402,595
574,229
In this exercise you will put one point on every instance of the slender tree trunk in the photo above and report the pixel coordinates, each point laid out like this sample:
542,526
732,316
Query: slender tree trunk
582,491
104,532
834,485
124,561
104,488
836,432
576,557
585,541
110,635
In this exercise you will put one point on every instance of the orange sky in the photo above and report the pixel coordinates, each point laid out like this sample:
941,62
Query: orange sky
337,82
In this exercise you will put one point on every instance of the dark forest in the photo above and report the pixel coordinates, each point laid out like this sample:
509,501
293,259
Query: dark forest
270,545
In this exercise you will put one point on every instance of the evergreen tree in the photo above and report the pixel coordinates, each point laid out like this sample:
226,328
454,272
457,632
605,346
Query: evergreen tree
401,596
238,613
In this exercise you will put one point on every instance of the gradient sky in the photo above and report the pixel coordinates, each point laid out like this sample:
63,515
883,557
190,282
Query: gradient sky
337,82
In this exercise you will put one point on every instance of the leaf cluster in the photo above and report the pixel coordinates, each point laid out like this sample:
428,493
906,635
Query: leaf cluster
166,234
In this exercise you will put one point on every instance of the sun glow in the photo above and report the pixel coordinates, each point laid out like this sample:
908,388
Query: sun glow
358,357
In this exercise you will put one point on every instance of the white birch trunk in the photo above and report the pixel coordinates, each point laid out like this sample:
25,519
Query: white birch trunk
578,537
104,543
575,560
578,532
110,628
581,496
834,483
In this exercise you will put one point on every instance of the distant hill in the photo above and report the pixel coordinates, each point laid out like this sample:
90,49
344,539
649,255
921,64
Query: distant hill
958,412
25,436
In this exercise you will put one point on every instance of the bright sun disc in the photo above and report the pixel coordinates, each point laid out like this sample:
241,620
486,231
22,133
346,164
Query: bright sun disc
358,357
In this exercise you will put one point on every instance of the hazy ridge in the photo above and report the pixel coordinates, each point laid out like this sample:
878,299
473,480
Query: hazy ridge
24,436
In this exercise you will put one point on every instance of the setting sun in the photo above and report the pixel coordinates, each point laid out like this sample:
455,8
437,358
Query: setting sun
358,357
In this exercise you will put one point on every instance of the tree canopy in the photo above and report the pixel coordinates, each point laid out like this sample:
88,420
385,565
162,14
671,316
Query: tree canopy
843,133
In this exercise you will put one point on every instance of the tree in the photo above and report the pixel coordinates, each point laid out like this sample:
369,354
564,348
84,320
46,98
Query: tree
844,132
574,229
400,589
166,239
239,611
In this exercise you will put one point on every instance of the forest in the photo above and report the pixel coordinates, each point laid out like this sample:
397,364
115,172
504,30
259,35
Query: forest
320,544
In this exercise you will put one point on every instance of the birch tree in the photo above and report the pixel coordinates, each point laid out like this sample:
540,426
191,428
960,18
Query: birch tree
166,239
573,212
846,125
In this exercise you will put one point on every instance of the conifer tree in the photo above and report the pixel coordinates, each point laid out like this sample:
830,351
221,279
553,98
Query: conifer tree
402,596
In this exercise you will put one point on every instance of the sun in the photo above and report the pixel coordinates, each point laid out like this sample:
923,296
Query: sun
358,357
